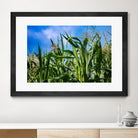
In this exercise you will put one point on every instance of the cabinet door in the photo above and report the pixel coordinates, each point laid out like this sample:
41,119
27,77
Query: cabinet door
68,133
119,133
18,133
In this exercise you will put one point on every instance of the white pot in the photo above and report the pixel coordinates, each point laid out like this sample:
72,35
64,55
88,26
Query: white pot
129,119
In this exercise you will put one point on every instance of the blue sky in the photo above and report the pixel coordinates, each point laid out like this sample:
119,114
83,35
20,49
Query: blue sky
42,34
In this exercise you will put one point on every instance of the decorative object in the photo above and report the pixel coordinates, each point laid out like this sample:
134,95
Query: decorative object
129,119
69,54
119,113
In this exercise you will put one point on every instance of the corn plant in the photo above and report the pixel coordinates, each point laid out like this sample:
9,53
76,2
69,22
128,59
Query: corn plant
76,64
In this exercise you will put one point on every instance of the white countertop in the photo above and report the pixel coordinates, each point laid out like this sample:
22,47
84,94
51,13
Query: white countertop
63,126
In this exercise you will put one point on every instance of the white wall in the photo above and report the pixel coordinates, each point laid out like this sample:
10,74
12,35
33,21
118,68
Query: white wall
67,109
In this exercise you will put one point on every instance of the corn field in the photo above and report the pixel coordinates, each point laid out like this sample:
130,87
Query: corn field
85,61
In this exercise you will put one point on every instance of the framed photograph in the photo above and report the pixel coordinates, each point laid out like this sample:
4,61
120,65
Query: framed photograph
69,53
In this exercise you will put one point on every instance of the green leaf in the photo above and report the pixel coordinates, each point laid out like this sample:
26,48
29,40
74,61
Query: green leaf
85,42
40,63
69,52
52,41
62,44
71,41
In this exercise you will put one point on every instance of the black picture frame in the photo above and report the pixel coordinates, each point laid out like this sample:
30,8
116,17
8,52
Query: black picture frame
124,16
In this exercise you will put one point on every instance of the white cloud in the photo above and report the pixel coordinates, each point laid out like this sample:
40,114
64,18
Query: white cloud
50,33
54,32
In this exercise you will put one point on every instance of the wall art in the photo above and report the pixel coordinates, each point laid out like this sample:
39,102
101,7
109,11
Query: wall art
69,53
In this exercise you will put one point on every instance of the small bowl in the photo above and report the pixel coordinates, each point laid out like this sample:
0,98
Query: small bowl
130,123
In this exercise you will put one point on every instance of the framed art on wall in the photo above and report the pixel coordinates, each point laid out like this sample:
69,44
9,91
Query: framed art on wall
69,53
